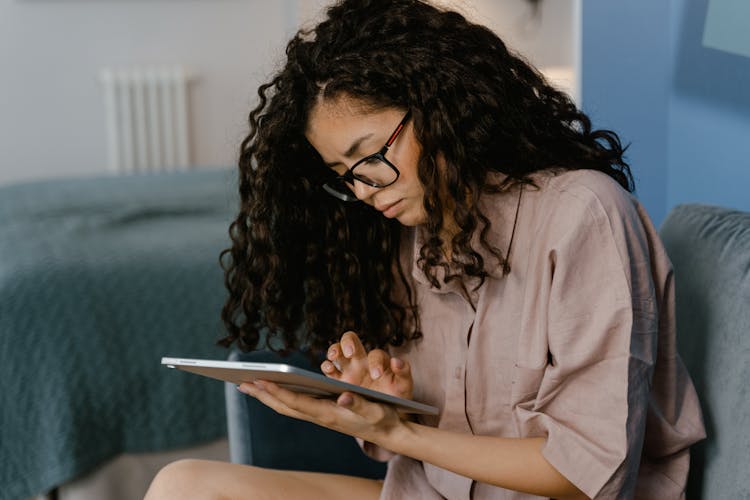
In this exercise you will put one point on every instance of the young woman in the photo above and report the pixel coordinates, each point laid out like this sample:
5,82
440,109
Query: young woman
410,183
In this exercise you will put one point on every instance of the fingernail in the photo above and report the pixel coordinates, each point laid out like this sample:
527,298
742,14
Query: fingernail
345,400
332,352
348,350
327,366
399,363
375,373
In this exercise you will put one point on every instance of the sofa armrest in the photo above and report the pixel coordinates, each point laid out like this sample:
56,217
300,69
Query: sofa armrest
710,249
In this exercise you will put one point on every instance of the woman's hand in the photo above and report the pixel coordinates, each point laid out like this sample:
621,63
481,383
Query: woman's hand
348,361
350,414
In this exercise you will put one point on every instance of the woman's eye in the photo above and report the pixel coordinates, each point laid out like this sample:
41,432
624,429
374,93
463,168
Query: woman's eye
370,161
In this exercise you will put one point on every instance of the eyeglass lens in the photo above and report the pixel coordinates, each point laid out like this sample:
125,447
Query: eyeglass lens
371,171
375,172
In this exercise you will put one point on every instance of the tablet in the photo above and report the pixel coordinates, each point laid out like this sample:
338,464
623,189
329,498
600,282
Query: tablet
292,378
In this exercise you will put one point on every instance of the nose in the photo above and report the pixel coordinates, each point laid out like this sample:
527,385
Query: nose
362,191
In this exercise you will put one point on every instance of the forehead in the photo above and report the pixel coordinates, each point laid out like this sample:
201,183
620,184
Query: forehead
329,113
332,125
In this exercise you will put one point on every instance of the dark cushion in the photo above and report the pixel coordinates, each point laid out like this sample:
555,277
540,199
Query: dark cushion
260,436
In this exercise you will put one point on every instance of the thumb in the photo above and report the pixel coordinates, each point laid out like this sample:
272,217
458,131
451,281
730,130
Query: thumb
402,379
400,367
352,402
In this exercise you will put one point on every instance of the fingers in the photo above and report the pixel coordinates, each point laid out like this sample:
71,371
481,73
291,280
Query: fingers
346,360
345,399
402,379
377,363
351,347
332,366
355,403
330,369
292,404
259,390
335,362
327,413
400,367
350,414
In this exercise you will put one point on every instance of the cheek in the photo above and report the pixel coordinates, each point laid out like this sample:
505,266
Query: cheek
410,167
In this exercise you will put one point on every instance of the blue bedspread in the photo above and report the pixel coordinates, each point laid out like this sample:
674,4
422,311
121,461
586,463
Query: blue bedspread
100,278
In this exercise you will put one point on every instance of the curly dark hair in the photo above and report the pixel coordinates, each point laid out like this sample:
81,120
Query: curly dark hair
302,261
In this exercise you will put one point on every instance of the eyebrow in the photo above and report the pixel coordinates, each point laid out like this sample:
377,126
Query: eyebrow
352,149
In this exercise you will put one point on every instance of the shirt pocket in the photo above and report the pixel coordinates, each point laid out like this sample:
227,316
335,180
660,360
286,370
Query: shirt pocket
525,386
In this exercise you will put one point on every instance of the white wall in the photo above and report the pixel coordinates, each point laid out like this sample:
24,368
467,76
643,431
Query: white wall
549,39
51,112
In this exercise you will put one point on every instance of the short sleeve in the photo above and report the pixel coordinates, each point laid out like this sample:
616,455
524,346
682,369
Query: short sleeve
601,325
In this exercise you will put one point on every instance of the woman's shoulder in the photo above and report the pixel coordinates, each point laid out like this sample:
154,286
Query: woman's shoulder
586,203
566,197
583,191
582,184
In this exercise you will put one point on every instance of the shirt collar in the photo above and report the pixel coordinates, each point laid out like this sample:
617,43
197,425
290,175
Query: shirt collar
500,209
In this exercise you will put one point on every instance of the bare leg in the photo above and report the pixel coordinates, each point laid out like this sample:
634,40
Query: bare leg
204,479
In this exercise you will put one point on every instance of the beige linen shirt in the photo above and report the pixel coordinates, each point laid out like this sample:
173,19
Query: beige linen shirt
576,344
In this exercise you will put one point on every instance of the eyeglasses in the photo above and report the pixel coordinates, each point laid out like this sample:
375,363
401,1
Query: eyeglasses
374,170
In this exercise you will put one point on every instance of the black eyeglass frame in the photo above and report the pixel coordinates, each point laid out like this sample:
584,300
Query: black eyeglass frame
350,176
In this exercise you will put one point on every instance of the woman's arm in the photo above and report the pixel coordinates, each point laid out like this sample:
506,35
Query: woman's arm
511,463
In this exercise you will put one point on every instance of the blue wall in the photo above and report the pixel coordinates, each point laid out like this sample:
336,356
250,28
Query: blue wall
684,108
626,67
709,134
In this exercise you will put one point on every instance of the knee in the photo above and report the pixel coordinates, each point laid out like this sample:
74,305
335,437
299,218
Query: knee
181,479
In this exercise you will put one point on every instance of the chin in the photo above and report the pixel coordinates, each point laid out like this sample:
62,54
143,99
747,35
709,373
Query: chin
411,219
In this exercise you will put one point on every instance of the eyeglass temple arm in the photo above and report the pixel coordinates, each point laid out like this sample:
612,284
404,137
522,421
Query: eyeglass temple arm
396,132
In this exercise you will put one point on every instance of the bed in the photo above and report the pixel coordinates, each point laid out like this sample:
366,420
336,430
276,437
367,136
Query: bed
100,278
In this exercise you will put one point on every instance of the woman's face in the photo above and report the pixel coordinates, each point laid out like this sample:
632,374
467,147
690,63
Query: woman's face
344,131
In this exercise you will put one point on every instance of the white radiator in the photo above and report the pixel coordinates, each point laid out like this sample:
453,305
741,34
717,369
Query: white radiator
146,110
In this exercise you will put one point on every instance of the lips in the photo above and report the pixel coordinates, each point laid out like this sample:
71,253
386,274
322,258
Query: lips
383,208
391,210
